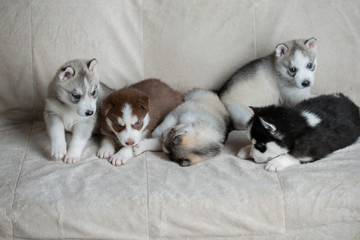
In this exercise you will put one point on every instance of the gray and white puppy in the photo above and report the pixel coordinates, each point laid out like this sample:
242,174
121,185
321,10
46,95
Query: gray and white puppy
284,77
195,130
72,104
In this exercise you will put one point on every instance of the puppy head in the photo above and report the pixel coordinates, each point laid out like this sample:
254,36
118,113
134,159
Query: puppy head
183,145
125,113
79,84
296,61
265,135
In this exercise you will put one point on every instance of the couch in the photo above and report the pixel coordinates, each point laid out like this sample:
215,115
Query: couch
187,44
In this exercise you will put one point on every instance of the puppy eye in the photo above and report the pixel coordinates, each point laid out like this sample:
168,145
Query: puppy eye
261,147
93,93
310,66
119,127
137,125
76,96
292,69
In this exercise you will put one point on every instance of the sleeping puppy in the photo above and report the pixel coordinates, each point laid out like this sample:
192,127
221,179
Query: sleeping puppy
131,114
193,132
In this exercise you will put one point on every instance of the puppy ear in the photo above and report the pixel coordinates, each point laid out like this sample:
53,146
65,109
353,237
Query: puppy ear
143,102
177,140
92,65
255,109
106,106
311,44
268,126
66,73
281,49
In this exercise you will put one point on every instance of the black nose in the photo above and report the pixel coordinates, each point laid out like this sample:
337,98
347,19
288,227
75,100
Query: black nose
305,83
89,113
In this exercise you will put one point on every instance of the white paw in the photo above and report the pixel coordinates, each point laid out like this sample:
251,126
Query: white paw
244,152
106,152
69,158
58,152
279,163
139,148
121,157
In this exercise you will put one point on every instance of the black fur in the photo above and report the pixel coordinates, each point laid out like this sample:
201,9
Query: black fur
339,126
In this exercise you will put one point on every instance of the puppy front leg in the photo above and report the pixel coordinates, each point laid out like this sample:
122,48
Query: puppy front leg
281,162
169,121
56,132
81,134
107,148
148,144
122,156
244,152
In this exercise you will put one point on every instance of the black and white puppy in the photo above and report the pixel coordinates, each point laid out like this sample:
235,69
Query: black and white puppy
309,131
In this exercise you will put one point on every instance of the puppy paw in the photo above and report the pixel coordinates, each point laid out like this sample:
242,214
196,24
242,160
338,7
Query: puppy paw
139,148
58,152
121,157
106,152
244,152
69,159
279,163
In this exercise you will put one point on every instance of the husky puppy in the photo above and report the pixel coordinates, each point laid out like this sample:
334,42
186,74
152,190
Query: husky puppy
195,130
284,77
131,114
309,131
72,105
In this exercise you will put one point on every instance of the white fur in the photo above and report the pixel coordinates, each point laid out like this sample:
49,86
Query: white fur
63,113
265,86
279,163
303,73
199,114
272,150
129,133
107,148
244,152
311,119
122,156
67,119
148,144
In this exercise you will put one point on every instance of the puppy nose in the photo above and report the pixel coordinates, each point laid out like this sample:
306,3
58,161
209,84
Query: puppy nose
305,83
89,113
129,142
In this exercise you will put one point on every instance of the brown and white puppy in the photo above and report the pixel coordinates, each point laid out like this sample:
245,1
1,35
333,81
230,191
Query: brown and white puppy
131,114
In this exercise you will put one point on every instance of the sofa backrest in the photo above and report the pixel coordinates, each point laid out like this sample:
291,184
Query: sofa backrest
187,44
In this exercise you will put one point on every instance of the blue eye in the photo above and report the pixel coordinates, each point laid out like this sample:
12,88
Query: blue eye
93,93
292,69
76,96
137,124
310,65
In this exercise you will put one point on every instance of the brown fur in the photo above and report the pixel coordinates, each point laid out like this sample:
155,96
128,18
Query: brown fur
150,95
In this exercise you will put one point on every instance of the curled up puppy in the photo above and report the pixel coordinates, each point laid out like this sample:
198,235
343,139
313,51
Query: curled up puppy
130,114
194,131
285,136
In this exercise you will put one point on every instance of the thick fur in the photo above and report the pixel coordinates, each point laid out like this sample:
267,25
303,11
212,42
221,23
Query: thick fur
72,104
270,80
131,114
195,130
309,131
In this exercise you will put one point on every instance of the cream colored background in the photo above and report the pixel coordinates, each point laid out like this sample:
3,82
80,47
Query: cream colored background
192,43
197,43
